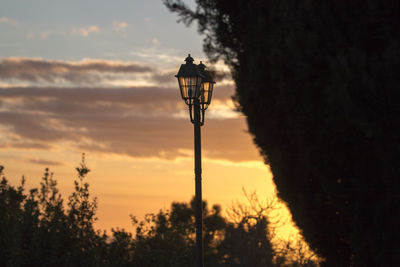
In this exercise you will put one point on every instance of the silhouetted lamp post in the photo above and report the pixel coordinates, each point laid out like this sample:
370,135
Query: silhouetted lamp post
196,86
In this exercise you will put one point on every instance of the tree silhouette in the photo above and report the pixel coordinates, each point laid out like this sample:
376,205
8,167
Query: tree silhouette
37,229
317,82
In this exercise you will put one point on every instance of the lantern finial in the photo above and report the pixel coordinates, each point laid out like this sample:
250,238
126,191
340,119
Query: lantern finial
189,59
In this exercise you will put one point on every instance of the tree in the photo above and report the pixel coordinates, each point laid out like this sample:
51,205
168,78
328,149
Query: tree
244,239
81,218
11,215
52,238
36,230
247,242
120,249
167,238
316,82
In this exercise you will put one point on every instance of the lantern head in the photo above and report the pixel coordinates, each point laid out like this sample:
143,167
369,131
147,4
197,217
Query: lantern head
207,86
190,80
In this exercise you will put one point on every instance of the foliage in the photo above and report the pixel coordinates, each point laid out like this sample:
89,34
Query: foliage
316,81
37,229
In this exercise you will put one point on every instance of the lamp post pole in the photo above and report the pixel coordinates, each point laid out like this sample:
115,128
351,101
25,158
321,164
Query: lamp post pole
196,86
198,193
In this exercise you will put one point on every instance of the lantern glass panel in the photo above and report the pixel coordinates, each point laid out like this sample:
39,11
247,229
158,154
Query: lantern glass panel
189,87
206,93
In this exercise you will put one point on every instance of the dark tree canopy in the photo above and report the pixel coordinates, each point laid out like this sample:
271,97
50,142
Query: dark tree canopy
37,229
317,81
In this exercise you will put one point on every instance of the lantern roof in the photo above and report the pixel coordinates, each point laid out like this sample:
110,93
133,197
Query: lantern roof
189,69
206,74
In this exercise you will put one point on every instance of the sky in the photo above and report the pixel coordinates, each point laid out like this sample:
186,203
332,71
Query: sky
97,77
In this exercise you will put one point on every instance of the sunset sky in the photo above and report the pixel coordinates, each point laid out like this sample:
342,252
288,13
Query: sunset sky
98,77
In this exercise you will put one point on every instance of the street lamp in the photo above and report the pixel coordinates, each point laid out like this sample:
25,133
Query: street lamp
196,86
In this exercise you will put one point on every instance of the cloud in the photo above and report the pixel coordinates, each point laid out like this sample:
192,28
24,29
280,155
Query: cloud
166,57
50,71
45,162
44,35
140,121
119,26
149,99
25,145
87,30
155,41
8,21
30,36
90,72
157,55
137,121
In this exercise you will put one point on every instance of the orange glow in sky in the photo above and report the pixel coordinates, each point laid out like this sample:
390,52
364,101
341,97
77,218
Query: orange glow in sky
138,140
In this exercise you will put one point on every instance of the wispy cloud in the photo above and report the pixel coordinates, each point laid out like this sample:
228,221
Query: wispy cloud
85,31
82,72
138,122
30,36
155,41
45,162
44,35
8,20
25,145
156,55
159,56
119,26
89,72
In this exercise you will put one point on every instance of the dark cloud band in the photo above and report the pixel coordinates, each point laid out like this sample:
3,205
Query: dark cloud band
136,121
36,70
